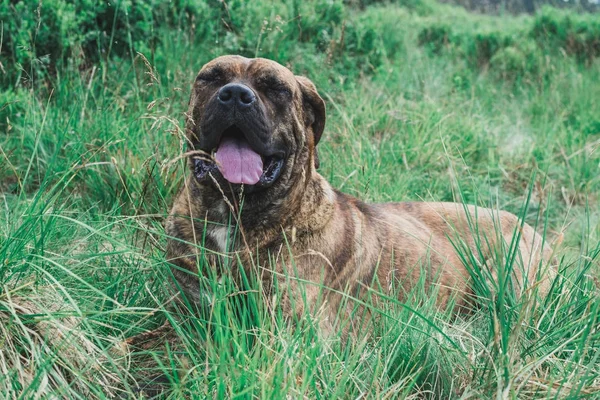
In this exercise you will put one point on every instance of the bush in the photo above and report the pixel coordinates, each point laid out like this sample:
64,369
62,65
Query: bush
41,35
435,37
576,34
422,7
12,110
477,48
321,25
508,54
515,63
35,34
481,47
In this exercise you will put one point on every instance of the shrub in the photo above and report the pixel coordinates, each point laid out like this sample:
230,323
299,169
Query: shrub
482,46
576,34
40,35
508,53
384,31
514,64
321,25
435,37
375,35
12,109
422,7
35,34
477,48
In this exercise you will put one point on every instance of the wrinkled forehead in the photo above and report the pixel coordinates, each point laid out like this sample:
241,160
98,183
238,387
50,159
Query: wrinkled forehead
247,68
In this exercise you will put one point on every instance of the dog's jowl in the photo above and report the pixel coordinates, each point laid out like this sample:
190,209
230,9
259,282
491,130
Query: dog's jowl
253,190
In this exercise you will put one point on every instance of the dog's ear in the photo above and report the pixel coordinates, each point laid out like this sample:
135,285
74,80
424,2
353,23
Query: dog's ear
314,107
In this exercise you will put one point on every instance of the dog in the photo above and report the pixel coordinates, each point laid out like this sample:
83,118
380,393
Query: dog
254,195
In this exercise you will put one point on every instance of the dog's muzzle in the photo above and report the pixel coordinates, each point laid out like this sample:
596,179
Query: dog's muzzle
237,138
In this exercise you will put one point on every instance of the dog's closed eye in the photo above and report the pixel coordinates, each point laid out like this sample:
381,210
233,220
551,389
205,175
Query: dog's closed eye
215,74
274,84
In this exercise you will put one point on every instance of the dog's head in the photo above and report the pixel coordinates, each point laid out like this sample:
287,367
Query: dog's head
257,123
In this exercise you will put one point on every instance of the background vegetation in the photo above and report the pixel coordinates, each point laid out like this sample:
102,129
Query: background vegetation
425,102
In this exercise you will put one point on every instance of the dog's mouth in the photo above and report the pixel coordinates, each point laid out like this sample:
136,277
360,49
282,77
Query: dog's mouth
238,163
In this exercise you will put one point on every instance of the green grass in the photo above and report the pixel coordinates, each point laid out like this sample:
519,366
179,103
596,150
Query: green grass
90,167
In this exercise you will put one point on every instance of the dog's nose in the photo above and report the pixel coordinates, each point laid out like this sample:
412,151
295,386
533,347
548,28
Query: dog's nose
236,94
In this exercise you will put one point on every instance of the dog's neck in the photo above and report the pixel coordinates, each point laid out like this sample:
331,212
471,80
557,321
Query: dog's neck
315,206
307,208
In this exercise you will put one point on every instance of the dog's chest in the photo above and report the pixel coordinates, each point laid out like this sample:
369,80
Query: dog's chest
220,238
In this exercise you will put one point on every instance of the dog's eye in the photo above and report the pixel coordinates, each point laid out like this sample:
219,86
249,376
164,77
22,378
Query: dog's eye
212,75
280,89
275,86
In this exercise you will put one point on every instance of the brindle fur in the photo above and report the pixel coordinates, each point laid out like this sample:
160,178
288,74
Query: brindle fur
336,240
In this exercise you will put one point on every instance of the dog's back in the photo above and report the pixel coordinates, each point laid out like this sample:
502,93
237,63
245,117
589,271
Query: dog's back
461,242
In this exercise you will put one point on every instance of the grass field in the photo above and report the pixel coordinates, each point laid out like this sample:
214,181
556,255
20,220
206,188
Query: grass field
425,102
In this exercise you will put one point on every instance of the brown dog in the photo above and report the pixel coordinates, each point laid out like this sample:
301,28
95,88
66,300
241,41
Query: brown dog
260,196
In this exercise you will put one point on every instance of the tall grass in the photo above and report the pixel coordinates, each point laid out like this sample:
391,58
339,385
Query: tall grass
90,167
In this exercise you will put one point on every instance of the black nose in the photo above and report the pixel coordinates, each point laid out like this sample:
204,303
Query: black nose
236,94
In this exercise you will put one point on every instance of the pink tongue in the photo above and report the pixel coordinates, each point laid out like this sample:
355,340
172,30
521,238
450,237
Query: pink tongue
238,162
